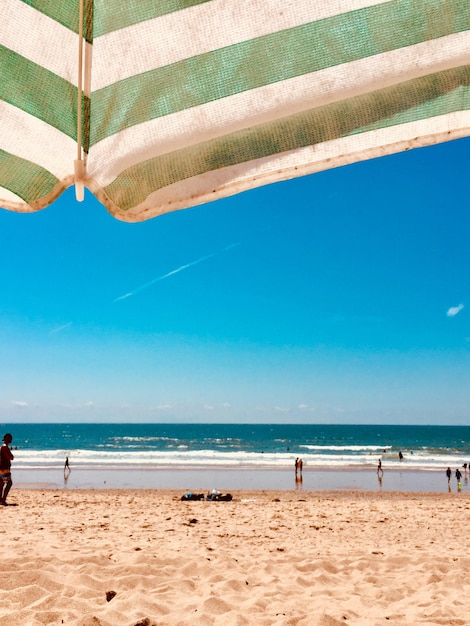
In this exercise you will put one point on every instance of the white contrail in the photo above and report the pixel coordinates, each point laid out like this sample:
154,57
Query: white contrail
60,328
173,272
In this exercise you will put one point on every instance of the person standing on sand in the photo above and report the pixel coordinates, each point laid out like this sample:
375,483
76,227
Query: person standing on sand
448,474
6,457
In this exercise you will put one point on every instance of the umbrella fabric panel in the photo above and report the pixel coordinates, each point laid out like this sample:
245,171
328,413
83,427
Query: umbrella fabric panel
38,58
38,101
188,101
365,126
286,102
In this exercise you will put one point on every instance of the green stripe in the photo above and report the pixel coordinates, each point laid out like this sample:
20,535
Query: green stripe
263,61
27,180
430,96
115,14
63,11
110,15
37,91
437,94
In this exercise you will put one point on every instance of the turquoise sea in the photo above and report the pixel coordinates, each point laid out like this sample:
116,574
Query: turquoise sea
162,454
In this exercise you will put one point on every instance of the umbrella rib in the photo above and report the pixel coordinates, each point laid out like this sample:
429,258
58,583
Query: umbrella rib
79,164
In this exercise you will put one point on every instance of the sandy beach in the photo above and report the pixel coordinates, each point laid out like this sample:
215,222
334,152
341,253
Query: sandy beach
120,557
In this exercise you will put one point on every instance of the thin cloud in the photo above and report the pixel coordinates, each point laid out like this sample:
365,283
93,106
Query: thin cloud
20,403
60,328
173,272
454,310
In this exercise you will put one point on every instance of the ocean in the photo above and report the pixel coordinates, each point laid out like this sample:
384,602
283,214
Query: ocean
333,446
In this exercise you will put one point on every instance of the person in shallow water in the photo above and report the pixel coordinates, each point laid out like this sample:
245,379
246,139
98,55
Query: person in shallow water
380,470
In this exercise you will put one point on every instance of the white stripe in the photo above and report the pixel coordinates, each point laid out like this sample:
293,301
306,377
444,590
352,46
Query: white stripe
202,28
328,155
214,119
9,200
29,138
40,39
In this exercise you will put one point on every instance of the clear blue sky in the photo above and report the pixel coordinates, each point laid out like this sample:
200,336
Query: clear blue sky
339,297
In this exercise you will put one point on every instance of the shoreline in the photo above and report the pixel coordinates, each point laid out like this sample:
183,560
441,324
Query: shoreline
203,479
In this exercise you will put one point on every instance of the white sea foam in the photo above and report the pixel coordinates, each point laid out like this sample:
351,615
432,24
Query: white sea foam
182,456
351,447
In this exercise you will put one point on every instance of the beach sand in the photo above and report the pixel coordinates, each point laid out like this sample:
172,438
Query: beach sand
128,558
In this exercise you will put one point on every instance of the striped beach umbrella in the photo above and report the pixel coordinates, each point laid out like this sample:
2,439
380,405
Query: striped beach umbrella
158,105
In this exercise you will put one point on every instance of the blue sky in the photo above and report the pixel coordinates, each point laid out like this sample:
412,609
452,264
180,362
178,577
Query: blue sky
337,297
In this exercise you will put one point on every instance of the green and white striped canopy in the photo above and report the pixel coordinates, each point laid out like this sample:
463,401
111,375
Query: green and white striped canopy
186,101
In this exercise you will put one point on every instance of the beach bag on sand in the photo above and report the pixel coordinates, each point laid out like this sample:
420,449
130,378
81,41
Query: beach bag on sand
192,496
226,497
221,497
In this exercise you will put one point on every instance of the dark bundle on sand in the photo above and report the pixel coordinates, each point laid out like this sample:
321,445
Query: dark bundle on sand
212,497
220,497
192,496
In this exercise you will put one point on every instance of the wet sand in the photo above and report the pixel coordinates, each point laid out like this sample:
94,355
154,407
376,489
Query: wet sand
197,479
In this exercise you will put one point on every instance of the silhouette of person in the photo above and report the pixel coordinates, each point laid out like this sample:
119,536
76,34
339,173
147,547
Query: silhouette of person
380,469
6,457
